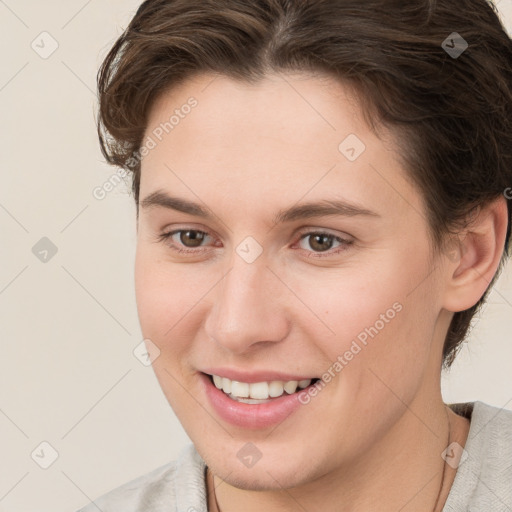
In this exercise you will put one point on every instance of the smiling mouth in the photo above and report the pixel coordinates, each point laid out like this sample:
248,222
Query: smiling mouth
258,392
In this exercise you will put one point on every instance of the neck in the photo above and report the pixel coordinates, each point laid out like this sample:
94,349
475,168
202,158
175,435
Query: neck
404,471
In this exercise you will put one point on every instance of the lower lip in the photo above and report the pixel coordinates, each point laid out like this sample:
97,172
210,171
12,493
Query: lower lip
256,416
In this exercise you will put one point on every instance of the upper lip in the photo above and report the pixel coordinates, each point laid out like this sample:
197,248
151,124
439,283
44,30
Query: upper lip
255,376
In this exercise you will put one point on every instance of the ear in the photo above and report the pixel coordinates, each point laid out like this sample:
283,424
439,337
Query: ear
473,262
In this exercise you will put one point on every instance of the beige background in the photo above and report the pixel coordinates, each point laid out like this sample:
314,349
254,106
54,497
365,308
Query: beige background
68,375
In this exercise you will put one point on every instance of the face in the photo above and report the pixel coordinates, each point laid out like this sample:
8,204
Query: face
279,241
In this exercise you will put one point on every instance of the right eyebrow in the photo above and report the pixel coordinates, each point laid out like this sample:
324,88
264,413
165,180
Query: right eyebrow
160,198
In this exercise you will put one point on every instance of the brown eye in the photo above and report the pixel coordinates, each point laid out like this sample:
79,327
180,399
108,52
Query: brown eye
191,238
320,242
185,240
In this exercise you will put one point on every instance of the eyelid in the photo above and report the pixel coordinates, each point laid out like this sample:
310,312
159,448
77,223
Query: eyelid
311,230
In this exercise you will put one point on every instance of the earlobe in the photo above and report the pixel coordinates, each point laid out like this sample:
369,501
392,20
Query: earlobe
479,251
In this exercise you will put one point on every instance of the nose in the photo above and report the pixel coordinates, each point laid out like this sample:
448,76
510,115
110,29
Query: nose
251,307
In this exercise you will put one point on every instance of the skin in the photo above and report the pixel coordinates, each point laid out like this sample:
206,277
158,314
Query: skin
373,437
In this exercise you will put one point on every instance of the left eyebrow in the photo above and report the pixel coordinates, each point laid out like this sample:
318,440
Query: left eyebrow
297,212
322,209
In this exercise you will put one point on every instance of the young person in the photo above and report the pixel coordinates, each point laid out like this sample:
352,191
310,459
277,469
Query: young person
321,191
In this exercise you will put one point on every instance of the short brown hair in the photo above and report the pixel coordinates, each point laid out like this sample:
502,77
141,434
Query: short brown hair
453,111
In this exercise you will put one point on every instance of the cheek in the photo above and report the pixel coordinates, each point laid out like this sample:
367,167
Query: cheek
348,304
172,304
163,294
380,325
165,305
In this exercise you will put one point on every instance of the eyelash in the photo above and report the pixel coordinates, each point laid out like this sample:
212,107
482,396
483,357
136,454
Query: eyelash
166,237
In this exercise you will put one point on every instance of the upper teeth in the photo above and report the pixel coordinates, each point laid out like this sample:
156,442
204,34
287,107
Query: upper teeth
258,390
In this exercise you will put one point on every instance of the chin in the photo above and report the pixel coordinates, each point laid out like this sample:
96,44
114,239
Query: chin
265,475
249,480
249,483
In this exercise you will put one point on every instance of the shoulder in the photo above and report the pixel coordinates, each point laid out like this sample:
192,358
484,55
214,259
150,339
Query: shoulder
490,433
179,484
484,477
147,490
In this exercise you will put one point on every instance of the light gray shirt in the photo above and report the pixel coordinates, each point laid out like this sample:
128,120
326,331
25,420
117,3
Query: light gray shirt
483,482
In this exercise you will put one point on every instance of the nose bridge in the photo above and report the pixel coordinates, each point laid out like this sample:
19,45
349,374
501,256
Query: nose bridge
247,307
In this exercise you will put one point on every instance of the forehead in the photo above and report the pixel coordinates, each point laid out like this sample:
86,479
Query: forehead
280,110
282,138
